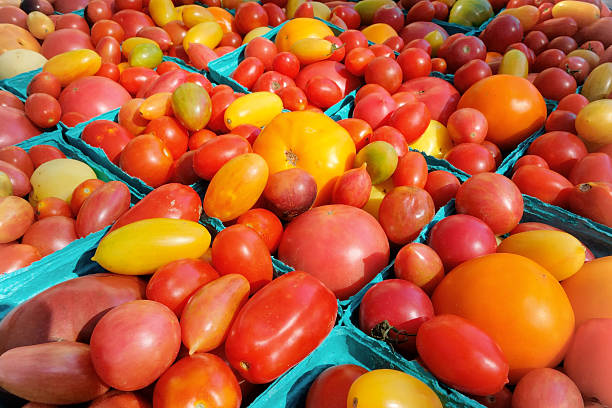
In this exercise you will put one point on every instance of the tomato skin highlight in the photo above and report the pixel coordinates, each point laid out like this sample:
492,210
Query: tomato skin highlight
279,326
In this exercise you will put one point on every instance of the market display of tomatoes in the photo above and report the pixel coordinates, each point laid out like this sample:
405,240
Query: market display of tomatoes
430,180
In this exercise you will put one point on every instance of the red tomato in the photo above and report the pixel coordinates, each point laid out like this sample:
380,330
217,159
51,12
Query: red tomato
464,50
421,11
472,158
199,79
375,109
50,206
442,186
109,70
368,89
135,78
132,21
286,63
359,130
470,73
18,157
447,238
573,103
381,50
385,72
545,184
81,192
239,249
171,132
439,65
17,256
201,377
411,119
248,71
530,159
561,120
494,151
353,39
419,264
276,15
333,70
249,132
564,43
389,14
358,59
411,170
174,283
97,10
263,49
200,137
592,167
146,157
546,386
93,96
250,16
330,389
279,326
419,43
440,97
536,41
323,92
213,154
396,43
392,136
548,59
272,81
554,83
230,39
467,125
103,28
43,153
43,110
166,66
415,62
220,101
107,135
266,224
50,234
560,150
102,207
397,303
403,213
8,100
481,367
351,18
448,42
64,40
44,82
293,98
141,333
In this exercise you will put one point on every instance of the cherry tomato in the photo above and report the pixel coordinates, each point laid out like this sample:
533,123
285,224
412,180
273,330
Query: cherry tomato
545,184
357,59
419,264
467,125
250,16
286,63
412,119
470,73
381,50
276,15
109,70
392,136
107,135
323,92
564,43
536,41
561,150
415,63
248,71
561,120
249,132
547,59
200,137
353,39
359,130
266,224
103,28
385,72
472,158
147,158
172,133
44,82
368,89
554,83
50,206
530,159
411,170
330,389
396,43
441,186
438,64
349,15
263,49
43,110
135,78
293,98
272,81
464,50
214,153
573,103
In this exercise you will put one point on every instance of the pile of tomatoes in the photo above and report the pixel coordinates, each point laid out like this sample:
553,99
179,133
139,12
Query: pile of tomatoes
335,134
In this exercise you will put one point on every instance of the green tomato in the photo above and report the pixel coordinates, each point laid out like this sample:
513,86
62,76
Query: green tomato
6,187
146,55
191,105
598,84
470,13
381,159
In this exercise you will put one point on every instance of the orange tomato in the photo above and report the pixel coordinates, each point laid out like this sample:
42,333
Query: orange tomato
299,28
223,18
379,33
514,108
589,290
583,13
311,141
156,106
528,15
517,302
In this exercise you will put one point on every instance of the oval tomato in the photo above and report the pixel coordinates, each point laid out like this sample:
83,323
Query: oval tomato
102,207
213,154
50,234
107,135
404,212
545,184
147,158
266,224
93,96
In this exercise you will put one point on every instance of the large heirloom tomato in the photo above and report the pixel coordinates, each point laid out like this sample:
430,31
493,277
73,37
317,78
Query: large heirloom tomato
516,302
279,326
514,108
311,141
343,246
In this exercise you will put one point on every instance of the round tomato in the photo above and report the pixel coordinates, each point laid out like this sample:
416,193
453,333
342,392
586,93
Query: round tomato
472,158
331,387
147,158
470,73
266,224
323,92
442,186
107,135
555,83
404,212
93,96
467,125
560,150
358,59
286,63
440,97
385,72
171,133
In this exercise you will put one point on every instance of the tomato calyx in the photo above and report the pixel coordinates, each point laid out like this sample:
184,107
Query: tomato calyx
570,71
390,334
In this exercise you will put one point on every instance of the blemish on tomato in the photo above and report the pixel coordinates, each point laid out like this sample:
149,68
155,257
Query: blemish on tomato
355,402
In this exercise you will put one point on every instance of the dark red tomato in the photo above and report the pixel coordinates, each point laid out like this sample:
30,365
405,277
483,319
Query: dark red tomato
250,16
182,169
447,238
577,67
545,10
556,27
323,92
560,150
391,15
573,103
213,154
467,125
304,10
128,4
171,200
411,119
146,157
547,59
439,65
287,64
396,43
440,10
330,389
135,78
107,135
182,383
419,43
200,137
358,59
447,44
248,71
530,159
596,46
263,49
381,50
502,399
481,369
230,39
43,110
561,120
375,109
174,283
470,73
555,83
353,39
266,340
220,101
400,304
385,72
421,11
81,192
351,18
441,186
266,224
564,43
18,157
411,170
239,249
545,184
403,213
463,50
44,82
71,20
276,15
501,32
43,153
414,62
359,130
104,28
249,132
495,152
50,234
536,41
109,50
140,333
272,81
171,132
97,10
368,89
293,98
493,198
103,207
132,21
50,206
109,70
472,158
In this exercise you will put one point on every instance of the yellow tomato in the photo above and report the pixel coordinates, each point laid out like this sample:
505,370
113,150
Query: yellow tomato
598,84
58,178
321,10
377,193
558,252
72,65
254,33
40,25
435,39
514,63
435,141
309,50
594,122
378,33
257,108
385,388
208,33
527,15
311,141
193,15
156,106
589,290
299,28
583,13
143,246
162,11
128,45
236,187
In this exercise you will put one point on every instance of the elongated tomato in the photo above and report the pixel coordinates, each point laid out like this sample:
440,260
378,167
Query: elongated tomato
102,207
257,108
309,50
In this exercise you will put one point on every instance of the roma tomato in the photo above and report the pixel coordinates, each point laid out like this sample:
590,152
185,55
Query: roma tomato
287,64
16,217
470,73
554,83
358,59
545,184
248,71
560,150
359,130
50,234
147,158
266,224
81,192
411,119
472,158
17,256
323,92
411,170
257,345
171,133
135,78
105,205
213,154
